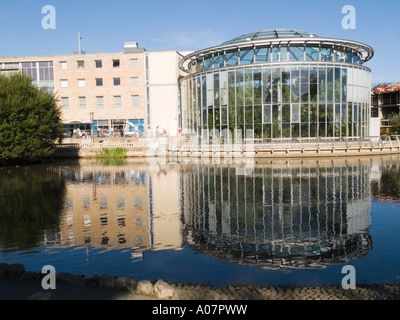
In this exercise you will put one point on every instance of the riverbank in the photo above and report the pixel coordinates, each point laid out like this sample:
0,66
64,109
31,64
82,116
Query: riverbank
183,148
18,284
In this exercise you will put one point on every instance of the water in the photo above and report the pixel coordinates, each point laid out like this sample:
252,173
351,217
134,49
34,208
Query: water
287,222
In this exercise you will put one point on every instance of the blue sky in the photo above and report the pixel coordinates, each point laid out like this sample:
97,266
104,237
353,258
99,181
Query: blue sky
193,25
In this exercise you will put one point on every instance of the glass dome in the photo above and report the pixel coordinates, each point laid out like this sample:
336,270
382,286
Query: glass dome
271,34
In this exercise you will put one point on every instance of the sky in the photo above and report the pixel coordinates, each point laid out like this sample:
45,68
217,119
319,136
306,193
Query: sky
193,25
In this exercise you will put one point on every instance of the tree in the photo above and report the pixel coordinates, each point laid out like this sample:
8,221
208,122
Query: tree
395,123
29,120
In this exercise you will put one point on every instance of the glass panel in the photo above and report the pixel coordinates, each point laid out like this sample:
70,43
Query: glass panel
246,57
218,62
356,58
285,84
348,56
286,113
304,114
267,87
286,130
257,122
296,53
248,117
326,54
295,84
204,91
313,84
329,115
239,116
257,86
330,84
313,113
295,113
267,113
207,63
248,87
312,54
337,85
304,84
223,82
216,90
275,54
210,90
262,55
276,85
231,82
322,120
239,88
284,54
232,59
322,83
344,85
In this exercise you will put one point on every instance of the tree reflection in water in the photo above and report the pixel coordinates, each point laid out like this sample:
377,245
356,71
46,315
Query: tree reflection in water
31,203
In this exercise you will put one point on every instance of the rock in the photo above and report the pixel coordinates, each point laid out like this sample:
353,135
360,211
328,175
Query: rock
70,278
29,275
15,271
163,290
126,283
93,280
144,287
3,270
107,281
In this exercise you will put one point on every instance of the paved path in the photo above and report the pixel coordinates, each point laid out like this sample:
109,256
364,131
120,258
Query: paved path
11,289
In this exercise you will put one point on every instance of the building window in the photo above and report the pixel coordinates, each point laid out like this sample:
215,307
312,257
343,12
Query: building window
82,102
46,72
98,64
100,102
135,81
117,101
65,102
117,81
30,69
81,64
135,101
116,63
63,65
81,83
134,63
11,65
99,82
64,83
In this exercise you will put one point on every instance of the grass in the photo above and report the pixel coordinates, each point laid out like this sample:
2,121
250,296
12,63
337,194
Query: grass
112,153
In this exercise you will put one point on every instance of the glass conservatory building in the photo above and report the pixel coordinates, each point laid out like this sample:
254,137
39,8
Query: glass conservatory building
282,85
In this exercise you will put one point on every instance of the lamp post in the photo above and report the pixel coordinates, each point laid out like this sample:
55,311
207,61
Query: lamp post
92,126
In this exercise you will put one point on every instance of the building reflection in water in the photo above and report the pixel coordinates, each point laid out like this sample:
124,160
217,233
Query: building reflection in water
304,214
118,207
308,215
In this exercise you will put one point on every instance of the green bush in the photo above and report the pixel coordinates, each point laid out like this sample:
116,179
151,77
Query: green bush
29,120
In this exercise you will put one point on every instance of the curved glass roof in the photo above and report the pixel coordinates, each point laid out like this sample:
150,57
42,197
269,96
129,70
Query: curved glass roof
271,34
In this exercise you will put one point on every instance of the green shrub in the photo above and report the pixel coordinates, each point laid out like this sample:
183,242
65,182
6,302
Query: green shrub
107,153
29,120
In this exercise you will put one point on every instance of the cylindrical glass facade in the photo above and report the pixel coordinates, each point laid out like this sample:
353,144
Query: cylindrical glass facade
280,93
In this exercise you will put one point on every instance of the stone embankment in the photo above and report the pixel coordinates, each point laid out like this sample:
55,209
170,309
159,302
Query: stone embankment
192,291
